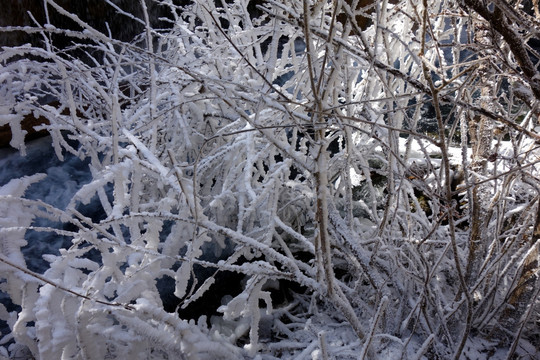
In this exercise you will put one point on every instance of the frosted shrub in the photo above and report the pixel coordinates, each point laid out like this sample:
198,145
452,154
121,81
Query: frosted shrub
282,142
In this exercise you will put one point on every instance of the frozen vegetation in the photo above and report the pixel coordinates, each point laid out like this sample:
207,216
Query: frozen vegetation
276,180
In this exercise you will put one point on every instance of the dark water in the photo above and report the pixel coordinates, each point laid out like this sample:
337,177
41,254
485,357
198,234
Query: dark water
62,181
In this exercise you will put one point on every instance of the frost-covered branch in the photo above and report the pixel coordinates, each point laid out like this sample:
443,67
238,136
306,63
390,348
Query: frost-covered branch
256,166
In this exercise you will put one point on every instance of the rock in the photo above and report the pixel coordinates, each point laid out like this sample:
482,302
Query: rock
28,124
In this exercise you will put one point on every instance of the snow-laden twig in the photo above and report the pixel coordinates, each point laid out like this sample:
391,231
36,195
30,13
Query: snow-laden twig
58,286
369,338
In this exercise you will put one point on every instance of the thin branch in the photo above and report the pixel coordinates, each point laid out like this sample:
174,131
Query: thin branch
58,286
